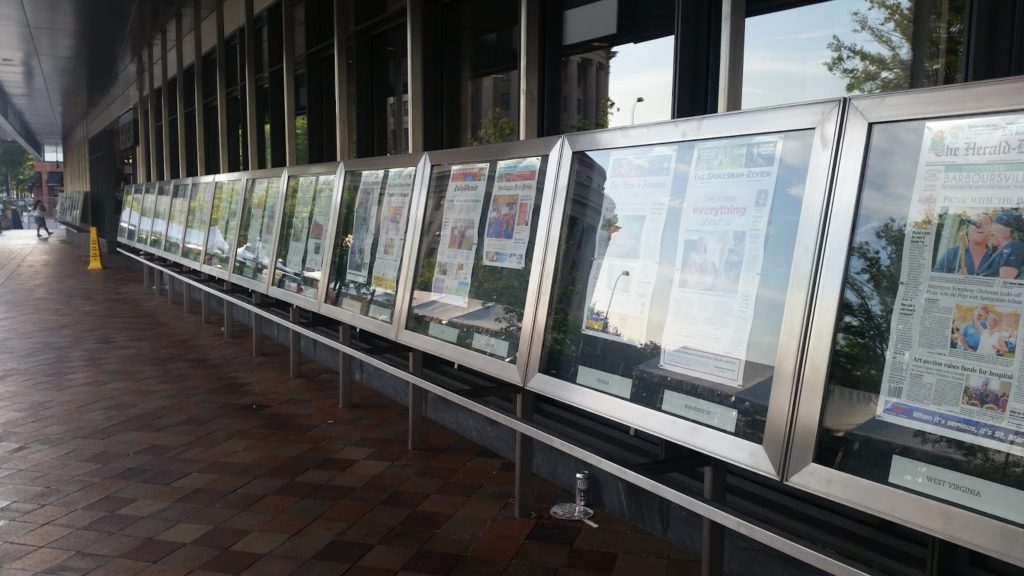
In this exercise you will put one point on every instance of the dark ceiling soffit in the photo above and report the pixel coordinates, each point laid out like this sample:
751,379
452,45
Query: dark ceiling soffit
15,126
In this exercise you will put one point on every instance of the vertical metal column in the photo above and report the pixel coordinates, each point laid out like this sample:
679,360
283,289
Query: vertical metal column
222,88
345,368
524,458
197,49
179,70
170,288
186,297
250,86
229,318
288,72
145,276
205,303
294,345
165,134
143,163
712,559
415,402
257,327
150,85
414,46
341,79
530,40
730,64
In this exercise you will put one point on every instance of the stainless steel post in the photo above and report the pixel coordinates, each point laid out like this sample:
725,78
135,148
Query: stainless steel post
713,534
294,345
524,458
345,368
415,402
229,319
257,328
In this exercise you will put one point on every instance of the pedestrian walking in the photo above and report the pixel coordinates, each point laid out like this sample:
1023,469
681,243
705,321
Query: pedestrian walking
40,218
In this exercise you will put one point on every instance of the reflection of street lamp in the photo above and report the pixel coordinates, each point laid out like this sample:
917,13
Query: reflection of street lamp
612,297
632,115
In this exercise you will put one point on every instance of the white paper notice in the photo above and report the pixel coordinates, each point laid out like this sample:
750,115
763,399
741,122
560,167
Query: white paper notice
318,228
463,205
509,216
628,243
719,253
364,219
393,220
951,365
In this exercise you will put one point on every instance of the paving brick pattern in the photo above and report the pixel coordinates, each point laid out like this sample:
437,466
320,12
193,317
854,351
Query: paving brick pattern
135,440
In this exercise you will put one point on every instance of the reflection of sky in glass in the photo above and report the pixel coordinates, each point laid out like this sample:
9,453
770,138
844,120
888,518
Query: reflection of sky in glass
784,53
641,70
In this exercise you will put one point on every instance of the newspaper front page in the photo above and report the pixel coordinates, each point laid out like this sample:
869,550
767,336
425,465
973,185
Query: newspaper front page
952,367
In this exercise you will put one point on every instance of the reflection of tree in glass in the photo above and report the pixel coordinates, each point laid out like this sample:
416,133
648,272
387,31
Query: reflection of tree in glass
883,64
862,331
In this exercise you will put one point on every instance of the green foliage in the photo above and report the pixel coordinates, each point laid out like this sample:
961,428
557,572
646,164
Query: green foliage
604,115
15,165
302,139
866,309
885,64
497,127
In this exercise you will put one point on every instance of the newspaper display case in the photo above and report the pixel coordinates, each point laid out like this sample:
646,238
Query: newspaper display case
255,229
135,223
368,235
197,221
680,266
175,236
306,214
912,403
219,253
161,214
479,227
146,217
125,231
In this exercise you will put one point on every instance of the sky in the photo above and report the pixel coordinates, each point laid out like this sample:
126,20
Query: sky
784,55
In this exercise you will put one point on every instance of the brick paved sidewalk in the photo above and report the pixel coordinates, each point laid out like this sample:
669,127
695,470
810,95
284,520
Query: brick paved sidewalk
135,440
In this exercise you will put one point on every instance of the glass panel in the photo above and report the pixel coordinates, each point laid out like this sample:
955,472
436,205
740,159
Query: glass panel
475,254
160,214
148,207
256,235
135,227
227,196
300,251
124,224
672,273
363,237
197,221
828,49
937,385
176,223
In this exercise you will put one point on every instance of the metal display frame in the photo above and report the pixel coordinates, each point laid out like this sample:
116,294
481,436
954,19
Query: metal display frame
551,147
823,117
385,329
149,190
323,169
225,274
206,210
140,193
169,185
918,512
247,180
124,220
176,257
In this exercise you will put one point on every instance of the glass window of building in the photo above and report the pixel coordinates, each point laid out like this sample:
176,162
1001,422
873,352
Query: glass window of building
269,88
845,47
480,71
189,109
616,64
172,128
158,134
211,141
382,88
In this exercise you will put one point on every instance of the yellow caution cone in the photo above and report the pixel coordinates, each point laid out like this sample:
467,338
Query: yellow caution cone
95,259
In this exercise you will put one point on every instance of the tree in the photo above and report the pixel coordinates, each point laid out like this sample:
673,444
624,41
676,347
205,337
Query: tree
15,166
496,127
884,63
